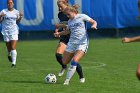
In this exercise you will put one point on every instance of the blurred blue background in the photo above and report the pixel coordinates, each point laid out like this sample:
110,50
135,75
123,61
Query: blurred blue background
42,14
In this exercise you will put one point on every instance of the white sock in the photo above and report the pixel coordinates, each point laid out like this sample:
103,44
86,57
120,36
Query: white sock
70,72
14,56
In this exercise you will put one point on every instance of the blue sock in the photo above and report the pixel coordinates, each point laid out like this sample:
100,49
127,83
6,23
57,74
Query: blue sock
73,63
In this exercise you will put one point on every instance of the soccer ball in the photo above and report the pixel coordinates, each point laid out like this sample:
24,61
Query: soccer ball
50,78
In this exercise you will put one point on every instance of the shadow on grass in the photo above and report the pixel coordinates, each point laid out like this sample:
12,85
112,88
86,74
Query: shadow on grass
25,81
31,82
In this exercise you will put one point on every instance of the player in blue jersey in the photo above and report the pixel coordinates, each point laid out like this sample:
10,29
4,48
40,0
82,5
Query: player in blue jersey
78,42
9,18
62,4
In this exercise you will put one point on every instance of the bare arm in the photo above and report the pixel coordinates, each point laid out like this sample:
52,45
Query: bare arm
57,26
133,39
57,34
60,26
93,23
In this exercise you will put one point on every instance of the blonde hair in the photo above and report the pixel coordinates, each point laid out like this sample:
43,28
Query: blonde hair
63,1
71,9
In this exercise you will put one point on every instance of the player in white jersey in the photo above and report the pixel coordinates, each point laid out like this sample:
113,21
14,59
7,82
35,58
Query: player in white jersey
64,40
78,42
9,18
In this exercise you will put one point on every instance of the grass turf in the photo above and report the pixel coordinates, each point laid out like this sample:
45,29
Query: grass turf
109,67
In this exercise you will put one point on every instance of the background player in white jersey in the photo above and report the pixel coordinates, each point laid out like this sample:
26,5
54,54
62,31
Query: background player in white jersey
9,18
78,42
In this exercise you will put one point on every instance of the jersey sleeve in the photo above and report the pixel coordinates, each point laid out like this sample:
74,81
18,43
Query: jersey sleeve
86,17
1,12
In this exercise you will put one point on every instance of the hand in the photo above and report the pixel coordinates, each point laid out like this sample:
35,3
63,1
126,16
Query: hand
57,26
21,14
56,34
2,15
94,27
126,40
56,30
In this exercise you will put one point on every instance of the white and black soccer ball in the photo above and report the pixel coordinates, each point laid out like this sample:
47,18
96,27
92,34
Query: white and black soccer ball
50,78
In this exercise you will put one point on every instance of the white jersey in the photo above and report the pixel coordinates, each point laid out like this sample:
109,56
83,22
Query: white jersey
78,30
9,26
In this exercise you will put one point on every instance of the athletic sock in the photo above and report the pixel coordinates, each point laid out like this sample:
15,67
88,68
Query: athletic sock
59,59
71,70
14,56
79,71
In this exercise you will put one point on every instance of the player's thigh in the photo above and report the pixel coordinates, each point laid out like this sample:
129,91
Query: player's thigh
61,48
67,57
13,41
13,44
78,55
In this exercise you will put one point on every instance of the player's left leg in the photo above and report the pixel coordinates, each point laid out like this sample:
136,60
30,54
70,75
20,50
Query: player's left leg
80,73
77,57
13,52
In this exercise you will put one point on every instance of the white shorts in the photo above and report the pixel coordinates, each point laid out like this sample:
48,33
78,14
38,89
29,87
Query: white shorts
74,47
8,38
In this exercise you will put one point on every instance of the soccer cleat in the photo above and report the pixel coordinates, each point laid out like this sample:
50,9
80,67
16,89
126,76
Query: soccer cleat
61,72
82,80
9,58
66,82
13,65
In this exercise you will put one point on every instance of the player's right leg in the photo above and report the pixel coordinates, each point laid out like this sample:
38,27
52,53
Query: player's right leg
66,59
8,50
59,56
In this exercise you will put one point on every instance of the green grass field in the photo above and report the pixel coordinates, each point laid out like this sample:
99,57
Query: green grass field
109,67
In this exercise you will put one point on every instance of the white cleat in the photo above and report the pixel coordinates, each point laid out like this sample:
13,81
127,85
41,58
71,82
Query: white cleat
61,73
66,82
82,80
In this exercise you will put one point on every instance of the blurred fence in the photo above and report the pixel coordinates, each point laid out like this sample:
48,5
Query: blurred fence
42,14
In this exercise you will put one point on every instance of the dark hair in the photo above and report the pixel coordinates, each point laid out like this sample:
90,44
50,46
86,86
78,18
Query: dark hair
8,1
